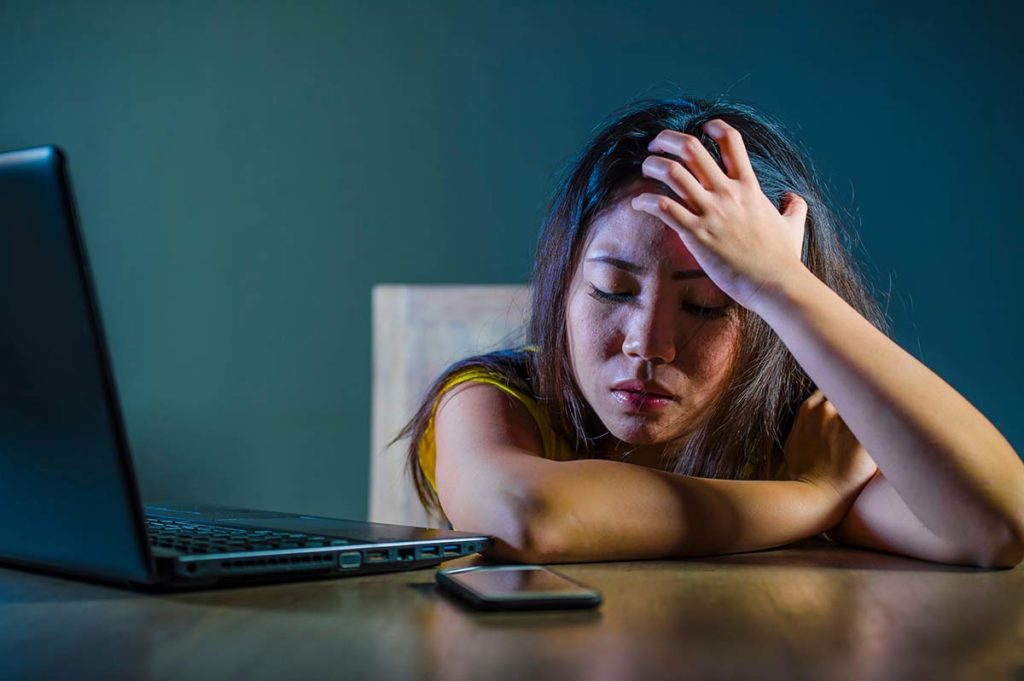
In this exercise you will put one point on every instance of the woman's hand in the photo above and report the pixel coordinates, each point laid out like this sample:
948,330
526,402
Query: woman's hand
822,452
732,229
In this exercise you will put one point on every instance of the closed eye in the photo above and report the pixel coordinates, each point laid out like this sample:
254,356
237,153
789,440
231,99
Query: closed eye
607,296
695,310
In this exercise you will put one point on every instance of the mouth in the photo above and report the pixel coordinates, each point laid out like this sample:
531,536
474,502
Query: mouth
640,400
650,389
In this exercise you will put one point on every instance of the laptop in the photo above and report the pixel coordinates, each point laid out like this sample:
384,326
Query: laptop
69,498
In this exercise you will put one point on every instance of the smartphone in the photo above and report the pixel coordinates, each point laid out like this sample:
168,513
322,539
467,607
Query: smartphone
516,587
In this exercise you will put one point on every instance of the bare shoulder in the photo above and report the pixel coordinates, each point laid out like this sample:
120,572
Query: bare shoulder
477,416
488,447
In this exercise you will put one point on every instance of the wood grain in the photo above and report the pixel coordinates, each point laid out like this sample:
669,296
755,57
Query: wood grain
807,611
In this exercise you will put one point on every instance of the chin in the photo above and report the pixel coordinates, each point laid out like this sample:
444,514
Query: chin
643,435
644,430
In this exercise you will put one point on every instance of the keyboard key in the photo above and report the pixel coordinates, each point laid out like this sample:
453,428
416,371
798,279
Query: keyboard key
197,538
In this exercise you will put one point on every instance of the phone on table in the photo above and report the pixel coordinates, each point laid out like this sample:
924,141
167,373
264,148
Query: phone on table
516,587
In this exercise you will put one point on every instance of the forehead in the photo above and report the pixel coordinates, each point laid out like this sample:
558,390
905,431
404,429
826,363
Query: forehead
636,236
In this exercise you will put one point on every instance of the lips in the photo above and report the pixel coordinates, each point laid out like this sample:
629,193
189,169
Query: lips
648,388
642,398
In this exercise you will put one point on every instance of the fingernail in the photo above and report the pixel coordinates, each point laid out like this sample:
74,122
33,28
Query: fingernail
713,128
655,164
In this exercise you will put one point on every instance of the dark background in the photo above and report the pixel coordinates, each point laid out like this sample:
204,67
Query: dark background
246,172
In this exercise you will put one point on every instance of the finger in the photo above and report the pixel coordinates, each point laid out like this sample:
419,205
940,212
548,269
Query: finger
734,151
694,155
816,399
795,212
795,208
679,179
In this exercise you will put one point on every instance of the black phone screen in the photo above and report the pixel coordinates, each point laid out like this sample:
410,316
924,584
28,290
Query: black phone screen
517,586
495,583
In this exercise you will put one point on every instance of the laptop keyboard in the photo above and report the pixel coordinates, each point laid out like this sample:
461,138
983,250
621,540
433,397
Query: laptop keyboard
194,538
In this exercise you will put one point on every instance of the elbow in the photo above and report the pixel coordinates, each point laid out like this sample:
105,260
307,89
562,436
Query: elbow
535,536
1007,557
525,543
543,539
524,528
1006,553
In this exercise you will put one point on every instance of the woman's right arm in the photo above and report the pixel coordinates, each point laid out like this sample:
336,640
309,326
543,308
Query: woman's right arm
492,479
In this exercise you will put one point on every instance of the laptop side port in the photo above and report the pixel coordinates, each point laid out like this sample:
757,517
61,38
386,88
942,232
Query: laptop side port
376,556
350,559
407,553
451,550
430,552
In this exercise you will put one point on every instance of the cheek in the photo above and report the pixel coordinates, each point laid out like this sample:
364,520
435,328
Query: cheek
593,330
711,355
591,337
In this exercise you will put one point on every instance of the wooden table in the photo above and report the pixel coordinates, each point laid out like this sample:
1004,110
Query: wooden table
807,611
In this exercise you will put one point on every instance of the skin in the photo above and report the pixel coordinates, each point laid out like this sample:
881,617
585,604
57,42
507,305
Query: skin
947,487
651,330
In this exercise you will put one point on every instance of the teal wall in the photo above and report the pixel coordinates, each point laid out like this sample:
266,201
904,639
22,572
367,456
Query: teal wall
246,172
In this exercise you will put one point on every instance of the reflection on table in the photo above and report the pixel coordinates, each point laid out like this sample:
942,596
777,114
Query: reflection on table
807,610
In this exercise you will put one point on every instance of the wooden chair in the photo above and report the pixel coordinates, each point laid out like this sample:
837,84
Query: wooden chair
417,332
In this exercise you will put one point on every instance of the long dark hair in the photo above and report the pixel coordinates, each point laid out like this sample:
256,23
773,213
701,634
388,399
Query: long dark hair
742,432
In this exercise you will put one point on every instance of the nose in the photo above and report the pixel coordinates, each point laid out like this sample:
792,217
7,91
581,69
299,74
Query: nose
651,332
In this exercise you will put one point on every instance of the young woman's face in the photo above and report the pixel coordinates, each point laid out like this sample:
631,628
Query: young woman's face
646,355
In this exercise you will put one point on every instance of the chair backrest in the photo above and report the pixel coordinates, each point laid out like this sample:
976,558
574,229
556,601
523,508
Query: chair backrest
418,331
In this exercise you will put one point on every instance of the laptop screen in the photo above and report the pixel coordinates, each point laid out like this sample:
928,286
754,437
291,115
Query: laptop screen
67,489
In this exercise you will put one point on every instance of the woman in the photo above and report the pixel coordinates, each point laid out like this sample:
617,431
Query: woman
691,291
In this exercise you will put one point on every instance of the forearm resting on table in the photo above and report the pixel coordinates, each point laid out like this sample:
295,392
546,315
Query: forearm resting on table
595,510
958,476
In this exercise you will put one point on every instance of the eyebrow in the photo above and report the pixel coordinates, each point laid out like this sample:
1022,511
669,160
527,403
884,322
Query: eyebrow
633,268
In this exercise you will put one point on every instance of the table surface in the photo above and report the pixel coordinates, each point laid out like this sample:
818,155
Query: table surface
810,610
